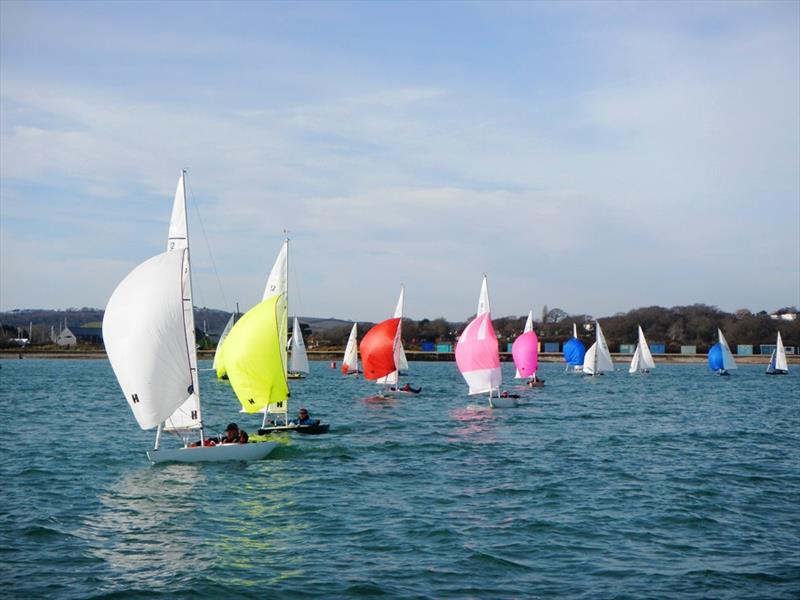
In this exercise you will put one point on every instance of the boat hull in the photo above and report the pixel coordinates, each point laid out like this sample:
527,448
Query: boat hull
316,429
777,372
218,453
507,402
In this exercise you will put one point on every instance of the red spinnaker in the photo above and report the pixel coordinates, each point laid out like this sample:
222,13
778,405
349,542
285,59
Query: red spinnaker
377,349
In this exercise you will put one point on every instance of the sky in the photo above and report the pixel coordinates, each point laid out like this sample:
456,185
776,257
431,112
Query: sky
591,156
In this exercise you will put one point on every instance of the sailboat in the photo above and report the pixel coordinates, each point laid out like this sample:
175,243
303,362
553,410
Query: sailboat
598,359
574,352
777,362
298,359
720,358
350,360
382,351
642,360
149,335
478,355
525,352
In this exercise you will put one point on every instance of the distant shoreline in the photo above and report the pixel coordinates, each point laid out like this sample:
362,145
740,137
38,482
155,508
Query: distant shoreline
336,355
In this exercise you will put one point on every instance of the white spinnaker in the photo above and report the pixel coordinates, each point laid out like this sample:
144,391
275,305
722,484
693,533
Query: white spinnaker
728,363
277,282
351,351
187,415
528,327
298,362
589,359
145,338
644,349
781,363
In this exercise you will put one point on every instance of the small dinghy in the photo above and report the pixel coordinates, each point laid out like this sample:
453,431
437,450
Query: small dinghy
312,429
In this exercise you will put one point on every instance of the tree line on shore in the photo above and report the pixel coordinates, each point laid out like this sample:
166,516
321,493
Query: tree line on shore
693,325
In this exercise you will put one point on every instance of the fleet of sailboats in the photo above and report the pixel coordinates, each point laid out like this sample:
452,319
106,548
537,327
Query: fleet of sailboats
158,374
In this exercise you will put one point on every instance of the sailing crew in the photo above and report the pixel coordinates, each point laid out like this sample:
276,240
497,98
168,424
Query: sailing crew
234,435
303,418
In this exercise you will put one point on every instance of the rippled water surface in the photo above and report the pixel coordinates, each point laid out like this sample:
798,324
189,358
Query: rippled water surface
678,484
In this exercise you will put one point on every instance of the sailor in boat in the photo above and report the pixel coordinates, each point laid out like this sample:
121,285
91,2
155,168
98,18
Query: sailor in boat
406,388
303,418
505,394
233,435
535,381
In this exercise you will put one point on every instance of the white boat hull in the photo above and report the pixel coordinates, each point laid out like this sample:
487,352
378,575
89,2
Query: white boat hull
503,402
219,453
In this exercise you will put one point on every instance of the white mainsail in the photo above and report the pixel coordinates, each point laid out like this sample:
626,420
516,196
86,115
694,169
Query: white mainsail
528,327
298,361
278,280
728,363
350,360
598,358
145,338
778,362
188,415
222,337
399,353
642,358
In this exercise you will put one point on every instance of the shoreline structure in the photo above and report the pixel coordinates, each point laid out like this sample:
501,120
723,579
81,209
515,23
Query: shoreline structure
336,355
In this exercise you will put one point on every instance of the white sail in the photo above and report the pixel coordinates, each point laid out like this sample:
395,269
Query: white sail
298,361
145,338
400,359
728,363
589,360
187,415
635,360
781,363
528,327
350,360
778,362
399,353
598,358
222,337
642,358
278,281
483,299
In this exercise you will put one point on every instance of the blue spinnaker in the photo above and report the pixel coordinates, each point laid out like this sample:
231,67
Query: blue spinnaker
574,351
715,362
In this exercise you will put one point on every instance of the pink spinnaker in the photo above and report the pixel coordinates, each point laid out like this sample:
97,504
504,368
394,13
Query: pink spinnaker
525,351
477,355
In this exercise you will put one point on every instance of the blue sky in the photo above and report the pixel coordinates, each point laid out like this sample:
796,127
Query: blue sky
591,156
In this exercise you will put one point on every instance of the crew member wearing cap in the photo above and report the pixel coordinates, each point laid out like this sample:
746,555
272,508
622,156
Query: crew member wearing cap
234,435
303,418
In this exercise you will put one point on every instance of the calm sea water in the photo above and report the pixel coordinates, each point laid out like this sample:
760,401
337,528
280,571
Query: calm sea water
678,484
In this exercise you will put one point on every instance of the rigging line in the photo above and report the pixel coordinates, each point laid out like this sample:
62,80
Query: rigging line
208,246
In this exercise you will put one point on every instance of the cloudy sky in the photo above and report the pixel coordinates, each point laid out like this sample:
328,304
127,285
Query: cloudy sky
591,156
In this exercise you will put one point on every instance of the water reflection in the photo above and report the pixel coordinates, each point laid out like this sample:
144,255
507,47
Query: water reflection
143,531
